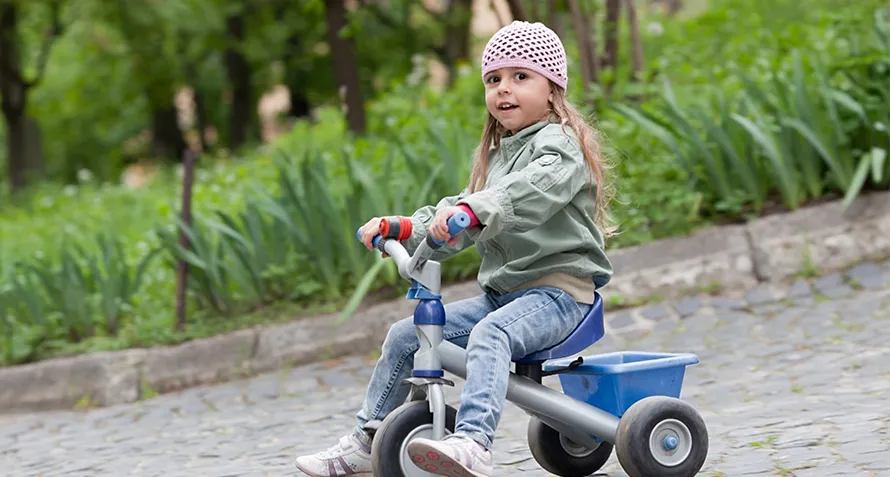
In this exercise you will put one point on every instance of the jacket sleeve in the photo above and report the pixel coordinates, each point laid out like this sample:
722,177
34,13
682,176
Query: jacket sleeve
420,222
525,199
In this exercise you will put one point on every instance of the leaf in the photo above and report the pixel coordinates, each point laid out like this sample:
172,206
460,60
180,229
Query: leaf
361,290
832,160
878,158
786,181
858,181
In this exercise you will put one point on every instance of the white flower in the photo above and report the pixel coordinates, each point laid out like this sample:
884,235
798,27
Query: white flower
84,175
655,28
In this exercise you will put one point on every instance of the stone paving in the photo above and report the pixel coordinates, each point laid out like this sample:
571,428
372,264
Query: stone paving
793,381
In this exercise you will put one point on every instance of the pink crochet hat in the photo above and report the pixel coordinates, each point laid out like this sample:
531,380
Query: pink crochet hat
526,45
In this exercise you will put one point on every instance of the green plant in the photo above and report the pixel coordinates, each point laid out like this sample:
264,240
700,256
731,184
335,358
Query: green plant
794,137
44,301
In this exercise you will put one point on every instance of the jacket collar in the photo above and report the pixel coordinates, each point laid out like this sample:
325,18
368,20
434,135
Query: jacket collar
511,144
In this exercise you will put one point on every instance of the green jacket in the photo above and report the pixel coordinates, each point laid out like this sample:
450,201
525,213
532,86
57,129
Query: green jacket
536,209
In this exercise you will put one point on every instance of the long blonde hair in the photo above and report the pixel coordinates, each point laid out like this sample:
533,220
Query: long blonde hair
588,137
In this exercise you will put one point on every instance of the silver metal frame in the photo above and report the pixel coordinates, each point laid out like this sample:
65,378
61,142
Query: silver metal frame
579,421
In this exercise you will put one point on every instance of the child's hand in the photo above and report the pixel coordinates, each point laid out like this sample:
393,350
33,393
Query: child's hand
370,230
439,227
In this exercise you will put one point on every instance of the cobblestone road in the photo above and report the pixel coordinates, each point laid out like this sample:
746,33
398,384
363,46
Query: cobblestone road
793,381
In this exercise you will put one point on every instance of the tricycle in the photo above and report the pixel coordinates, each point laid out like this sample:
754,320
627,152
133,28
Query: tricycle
625,401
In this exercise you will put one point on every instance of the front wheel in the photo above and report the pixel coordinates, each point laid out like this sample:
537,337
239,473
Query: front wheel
559,455
661,437
389,449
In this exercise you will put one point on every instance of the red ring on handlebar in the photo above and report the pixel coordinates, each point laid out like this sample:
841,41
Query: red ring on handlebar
405,228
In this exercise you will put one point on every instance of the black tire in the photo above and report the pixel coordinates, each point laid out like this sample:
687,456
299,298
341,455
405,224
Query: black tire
386,448
640,458
549,450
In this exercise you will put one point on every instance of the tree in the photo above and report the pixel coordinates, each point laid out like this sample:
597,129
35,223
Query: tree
15,86
146,34
517,10
582,23
446,34
637,44
243,111
345,65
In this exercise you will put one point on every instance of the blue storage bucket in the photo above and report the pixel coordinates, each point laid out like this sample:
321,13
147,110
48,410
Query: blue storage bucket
613,382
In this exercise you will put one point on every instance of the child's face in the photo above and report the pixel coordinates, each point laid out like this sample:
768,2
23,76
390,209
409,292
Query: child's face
517,97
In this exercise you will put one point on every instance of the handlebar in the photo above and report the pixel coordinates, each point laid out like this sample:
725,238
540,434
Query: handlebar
411,267
457,223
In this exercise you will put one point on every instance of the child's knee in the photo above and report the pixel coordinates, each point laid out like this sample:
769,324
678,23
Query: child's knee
486,332
401,335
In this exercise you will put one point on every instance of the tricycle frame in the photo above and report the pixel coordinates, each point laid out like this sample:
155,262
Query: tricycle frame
589,425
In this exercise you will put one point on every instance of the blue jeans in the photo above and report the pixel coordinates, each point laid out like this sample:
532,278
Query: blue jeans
495,330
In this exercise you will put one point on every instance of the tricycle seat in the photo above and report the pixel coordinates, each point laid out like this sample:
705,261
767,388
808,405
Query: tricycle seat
588,332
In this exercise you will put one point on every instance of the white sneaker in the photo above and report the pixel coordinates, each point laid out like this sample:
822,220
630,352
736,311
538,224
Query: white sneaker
349,457
454,456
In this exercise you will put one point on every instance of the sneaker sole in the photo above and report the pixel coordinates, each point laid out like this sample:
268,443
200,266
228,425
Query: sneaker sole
310,474
431,460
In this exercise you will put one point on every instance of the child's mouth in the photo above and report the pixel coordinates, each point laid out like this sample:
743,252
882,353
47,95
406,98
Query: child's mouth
507,107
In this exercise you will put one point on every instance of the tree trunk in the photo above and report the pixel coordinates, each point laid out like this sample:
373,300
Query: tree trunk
242,111
554,19
201,119
293,78
19,174
14,93
673,6
613,15
345,65
138,25
457,39
22,151
534,10
167,140
517,10
300,107
586,45
637,73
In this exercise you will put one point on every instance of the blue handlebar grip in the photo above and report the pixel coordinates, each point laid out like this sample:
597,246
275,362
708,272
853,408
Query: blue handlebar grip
358,235
457,223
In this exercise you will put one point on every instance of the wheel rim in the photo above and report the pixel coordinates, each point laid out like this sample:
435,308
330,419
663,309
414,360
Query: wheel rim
405,462
670,442
574,449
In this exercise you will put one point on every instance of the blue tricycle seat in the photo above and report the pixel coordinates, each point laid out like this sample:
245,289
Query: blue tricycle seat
588,332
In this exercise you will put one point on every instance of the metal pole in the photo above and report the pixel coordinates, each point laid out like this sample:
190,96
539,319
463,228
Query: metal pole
540,399
186,214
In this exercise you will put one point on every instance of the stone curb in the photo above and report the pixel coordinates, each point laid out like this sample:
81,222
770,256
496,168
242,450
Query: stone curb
735,257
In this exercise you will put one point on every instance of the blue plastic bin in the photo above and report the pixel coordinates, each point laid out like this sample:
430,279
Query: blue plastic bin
615,381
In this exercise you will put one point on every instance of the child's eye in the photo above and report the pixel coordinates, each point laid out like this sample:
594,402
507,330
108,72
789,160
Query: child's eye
521,76
493,79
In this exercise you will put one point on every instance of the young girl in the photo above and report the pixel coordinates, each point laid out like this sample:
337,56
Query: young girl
537,205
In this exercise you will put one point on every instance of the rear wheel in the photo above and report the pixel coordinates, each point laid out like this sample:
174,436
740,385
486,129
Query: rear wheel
389,450
560,455
661,436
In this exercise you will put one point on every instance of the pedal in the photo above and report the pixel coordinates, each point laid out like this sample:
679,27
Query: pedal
417,381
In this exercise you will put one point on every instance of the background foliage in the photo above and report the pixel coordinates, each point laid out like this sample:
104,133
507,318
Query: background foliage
746,108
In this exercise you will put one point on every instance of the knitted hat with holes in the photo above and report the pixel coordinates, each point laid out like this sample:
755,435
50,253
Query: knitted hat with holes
526,45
